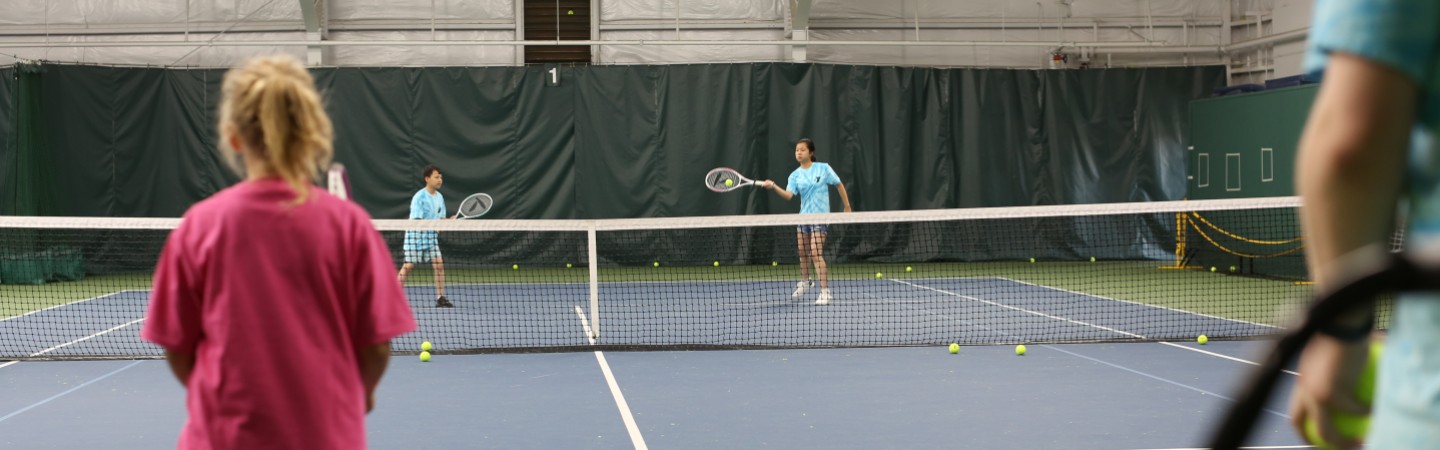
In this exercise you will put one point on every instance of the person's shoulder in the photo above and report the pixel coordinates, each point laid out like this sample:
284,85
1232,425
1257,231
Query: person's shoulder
207,210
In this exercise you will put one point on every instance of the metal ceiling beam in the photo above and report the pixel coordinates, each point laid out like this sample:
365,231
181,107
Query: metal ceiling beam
445,43
313,12
799,28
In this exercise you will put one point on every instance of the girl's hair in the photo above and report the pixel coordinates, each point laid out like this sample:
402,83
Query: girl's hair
272,104
810,145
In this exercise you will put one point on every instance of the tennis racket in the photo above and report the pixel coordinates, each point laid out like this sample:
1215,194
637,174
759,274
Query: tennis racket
337,181
474,206
1369,277
725,179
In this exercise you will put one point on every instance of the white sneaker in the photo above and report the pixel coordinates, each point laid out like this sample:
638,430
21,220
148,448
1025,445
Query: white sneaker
824,297
801,287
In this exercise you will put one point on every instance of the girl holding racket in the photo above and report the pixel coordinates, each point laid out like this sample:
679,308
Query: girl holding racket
812,183
270,264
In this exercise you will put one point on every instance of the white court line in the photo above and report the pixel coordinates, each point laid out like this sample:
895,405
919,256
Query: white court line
1117,366
635,438
68,304
1176,383
1217,355
86,338
1048,316
11,363
585,323
1085,323
62,394
1141,304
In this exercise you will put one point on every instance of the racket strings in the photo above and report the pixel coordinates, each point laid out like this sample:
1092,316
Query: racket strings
717,179
474,206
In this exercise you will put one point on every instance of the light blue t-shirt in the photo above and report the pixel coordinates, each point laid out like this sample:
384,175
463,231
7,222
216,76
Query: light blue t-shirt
813,187
424,206
1404,35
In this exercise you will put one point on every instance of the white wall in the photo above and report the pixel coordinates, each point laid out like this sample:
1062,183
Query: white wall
1291,15
1195,23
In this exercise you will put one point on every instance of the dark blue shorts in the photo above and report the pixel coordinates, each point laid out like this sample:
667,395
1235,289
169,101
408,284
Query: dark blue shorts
808,229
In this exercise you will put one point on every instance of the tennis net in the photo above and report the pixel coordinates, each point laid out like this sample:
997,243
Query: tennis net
78,287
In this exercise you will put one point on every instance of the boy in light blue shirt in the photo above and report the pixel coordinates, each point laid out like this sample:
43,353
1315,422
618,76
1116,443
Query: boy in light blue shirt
424,245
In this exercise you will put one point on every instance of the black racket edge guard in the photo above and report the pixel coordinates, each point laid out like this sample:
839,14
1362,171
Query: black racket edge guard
1399,274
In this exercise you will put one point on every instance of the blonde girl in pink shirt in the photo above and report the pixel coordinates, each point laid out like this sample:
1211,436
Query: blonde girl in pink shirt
275,301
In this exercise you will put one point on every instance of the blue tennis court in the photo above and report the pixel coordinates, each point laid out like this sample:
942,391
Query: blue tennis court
1163,393
1092,396
739,314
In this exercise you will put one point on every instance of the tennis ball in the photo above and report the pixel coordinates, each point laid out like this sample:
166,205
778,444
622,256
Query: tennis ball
1203,339
424,356
1032,260
1351,425
425,346
1232,268
568,265
1092,259
729,182
909,269
879,275
514,267
774,263
954,348
1212,268
657,264
1020,350
569,12
717,263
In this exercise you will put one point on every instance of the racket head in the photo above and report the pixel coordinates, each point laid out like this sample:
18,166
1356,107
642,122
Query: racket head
716,178
337,181
475,205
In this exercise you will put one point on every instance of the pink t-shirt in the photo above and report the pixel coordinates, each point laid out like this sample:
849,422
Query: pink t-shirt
274,299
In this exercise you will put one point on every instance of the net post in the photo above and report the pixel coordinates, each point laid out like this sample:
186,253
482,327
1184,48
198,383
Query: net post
594,282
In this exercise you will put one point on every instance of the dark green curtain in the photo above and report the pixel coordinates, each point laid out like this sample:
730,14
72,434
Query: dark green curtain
626,141
9,85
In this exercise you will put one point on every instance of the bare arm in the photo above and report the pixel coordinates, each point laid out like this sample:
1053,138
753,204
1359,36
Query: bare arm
1352,157
767,184
373,361
181,364
844,197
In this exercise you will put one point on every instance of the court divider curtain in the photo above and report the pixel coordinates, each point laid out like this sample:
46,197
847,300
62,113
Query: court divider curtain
633,141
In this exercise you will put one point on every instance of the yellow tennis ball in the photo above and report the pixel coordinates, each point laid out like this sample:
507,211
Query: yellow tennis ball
1092,259
909,269
1352,426
424,356
1032,260
514,267
1020,350
774,263
879,275
568,265
729,182
569,12
717,263
657,264
1212,268
1203,339
954,348
425,346
1232,268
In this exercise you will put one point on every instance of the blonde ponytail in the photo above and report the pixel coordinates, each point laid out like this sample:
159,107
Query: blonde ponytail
272,104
